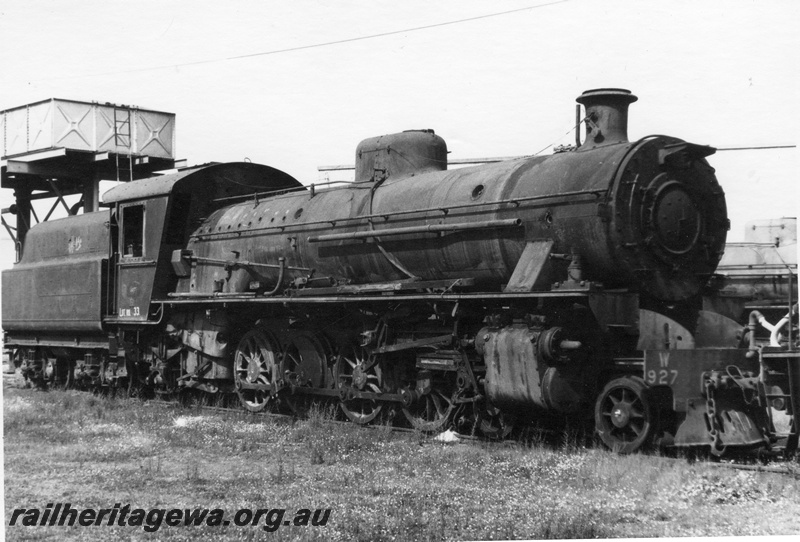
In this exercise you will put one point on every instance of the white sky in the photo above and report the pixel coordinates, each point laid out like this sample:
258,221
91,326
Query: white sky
721,73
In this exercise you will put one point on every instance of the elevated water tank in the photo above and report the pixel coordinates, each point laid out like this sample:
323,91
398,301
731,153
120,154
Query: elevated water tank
86,126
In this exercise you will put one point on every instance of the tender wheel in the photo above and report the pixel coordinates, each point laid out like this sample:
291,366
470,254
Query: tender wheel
352,374
432,411
37,369
623,415
137,373
106,379
58,373
254,369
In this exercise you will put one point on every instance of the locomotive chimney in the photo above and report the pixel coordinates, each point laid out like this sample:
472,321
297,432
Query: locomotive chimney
606,115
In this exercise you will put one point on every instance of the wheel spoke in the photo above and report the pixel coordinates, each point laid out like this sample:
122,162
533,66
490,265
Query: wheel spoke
493,423
437,404
360,411
432,412
623,415
251,366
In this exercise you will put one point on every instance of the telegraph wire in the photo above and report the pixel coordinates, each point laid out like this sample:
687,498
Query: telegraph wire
314,45
393,32
757,148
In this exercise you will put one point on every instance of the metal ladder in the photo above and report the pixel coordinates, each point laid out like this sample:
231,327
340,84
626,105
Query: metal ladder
122,139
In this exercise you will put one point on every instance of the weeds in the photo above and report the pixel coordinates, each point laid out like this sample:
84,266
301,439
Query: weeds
151,467
284,475
192,470
316,455
381,485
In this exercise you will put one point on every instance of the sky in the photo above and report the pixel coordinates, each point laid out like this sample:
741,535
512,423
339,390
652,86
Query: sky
296,85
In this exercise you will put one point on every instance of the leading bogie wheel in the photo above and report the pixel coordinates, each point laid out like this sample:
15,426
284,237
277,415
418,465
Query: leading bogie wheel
493,423
624,415
254,369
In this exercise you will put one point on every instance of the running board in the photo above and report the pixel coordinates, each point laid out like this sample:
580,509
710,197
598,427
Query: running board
380,287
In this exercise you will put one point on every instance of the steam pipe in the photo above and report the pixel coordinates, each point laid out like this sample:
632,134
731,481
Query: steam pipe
763,321
773,338
282,264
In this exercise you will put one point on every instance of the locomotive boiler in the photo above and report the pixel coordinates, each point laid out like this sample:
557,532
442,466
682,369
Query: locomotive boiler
541,288
650,215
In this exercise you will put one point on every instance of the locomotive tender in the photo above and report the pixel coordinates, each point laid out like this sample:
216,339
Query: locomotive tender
545,287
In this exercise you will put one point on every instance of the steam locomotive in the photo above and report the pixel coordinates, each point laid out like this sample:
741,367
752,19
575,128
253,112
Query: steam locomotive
547,287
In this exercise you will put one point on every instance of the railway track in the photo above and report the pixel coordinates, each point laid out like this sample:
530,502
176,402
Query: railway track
789,471
777,466
289,418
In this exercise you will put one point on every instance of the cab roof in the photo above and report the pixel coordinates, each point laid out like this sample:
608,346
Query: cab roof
215,181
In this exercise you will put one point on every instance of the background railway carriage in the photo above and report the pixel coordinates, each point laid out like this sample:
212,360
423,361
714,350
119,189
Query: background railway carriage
548,288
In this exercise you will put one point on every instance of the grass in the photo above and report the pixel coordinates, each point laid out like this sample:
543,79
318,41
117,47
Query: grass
96,451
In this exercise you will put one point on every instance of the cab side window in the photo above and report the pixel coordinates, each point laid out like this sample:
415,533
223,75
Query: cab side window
133,231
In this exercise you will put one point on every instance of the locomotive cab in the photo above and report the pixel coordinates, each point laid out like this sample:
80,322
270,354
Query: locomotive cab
154,217
138,242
